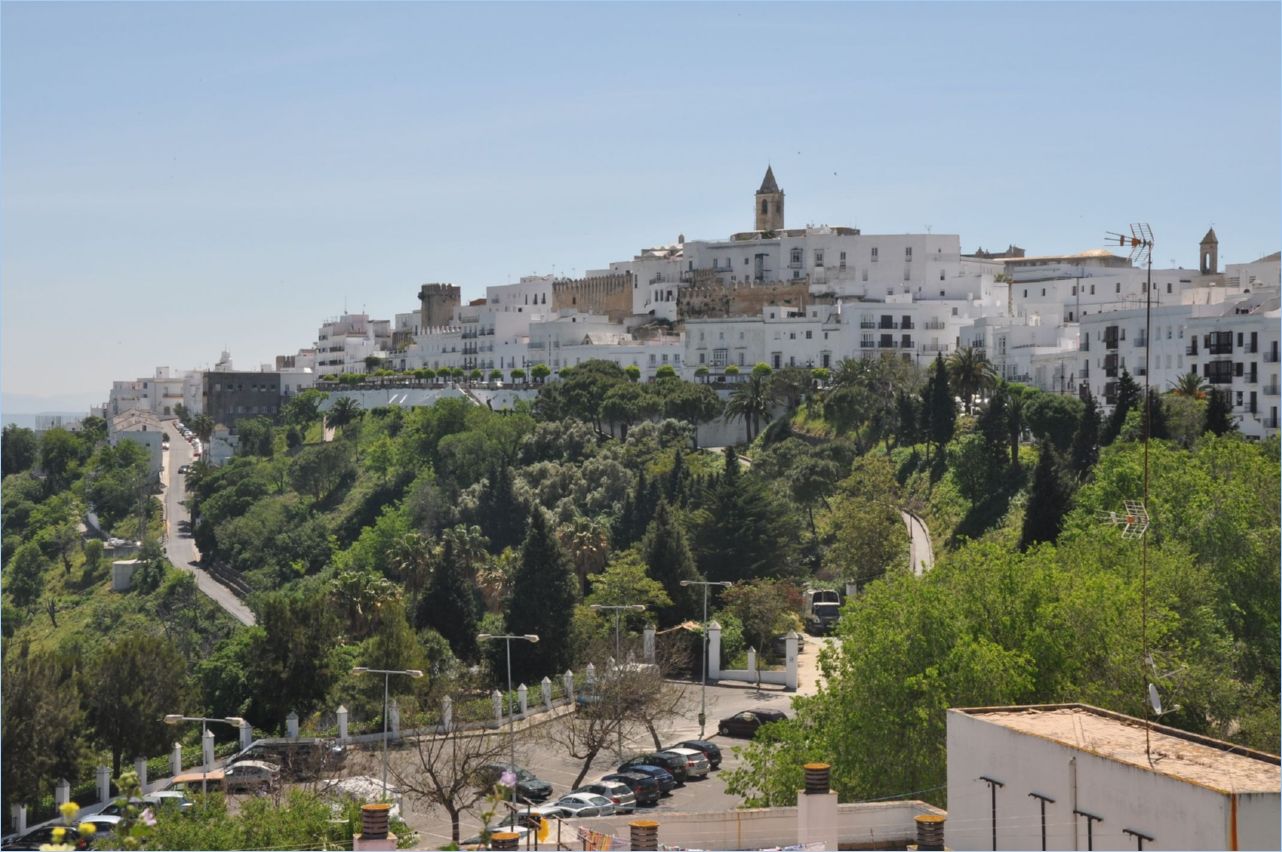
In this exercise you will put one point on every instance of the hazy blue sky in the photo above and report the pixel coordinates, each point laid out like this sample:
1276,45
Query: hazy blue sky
182,177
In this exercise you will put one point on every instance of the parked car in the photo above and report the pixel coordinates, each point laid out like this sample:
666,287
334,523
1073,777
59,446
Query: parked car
300,758
658,773
619,794
671,762
710,750
103,827
159,799
43,835
747,723
184,468
529,788
586,805
251,775
645,789
697,765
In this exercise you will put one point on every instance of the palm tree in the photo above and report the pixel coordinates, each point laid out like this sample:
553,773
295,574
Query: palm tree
751,401
1190,385
344,411
969,372
588,544
203,426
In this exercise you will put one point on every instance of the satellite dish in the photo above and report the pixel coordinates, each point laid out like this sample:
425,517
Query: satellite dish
1154,699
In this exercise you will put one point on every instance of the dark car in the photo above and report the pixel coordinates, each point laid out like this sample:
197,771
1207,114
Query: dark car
645,788
709,749
38,837
299,758
671,762
666,782
529,788
747,723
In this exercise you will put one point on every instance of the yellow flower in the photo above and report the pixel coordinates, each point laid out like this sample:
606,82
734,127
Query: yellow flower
59,833
88,828
69,810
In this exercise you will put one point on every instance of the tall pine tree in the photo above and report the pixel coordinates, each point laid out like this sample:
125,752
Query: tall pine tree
1048,501
542,603
1128,396
940,411
1218,419
667,559
449,607
1085,450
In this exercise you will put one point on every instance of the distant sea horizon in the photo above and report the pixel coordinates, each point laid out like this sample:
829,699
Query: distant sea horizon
28,421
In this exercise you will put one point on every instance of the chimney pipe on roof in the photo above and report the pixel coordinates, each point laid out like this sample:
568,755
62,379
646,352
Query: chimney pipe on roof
930,832
645,834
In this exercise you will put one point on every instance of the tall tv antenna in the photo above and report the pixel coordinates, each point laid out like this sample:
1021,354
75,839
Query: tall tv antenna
1140,243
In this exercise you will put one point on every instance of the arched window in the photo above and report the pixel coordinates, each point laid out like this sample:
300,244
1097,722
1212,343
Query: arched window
765,207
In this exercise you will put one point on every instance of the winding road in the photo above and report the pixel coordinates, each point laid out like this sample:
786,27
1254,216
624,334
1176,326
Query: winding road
180,548
921,555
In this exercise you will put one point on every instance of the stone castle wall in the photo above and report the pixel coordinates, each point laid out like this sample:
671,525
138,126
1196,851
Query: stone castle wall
701,301
609,295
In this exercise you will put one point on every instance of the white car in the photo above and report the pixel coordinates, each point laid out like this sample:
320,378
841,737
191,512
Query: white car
251,775
697,765
586,805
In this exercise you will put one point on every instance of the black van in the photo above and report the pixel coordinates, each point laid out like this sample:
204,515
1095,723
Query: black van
299,758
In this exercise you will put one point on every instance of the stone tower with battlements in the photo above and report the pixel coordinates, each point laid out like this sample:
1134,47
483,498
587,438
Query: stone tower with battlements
769,202
1209,254
439,302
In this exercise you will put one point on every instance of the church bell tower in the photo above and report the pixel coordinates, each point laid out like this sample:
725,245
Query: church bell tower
769,200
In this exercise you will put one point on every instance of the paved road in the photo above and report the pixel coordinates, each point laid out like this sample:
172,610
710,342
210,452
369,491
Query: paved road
921,553
179,546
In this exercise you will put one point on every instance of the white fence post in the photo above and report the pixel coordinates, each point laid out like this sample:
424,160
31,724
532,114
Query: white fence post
648,643
547,693
62,792
291,725
447,713
714,650
207,750
19,818
522,699
104,783
394,719
568,681
497,698
590,677
342,723
176,760
752,660
140,769
790,642
246,735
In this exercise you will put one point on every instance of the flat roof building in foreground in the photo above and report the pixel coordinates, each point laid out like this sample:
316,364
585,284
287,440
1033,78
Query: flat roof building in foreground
1071,776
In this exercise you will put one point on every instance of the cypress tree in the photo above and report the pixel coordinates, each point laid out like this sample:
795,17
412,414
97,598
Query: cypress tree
1157,426
449,606
994,426
1048,500
676,479
1085,450
941,410
668,559
542,603
1218,420
907,419
500,513
1128,396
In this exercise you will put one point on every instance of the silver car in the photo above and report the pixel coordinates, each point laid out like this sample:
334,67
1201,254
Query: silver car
586,805
697,765
620,794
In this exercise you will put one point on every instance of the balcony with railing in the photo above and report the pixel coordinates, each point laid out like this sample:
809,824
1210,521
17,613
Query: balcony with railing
1191,349
867,324
1270,390
867,344
1271,357
1084,345
934,347
1220,348
1271,421
1139,341
936,325
887,325
907,325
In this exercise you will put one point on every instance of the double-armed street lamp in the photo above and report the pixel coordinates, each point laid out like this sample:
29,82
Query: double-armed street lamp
175,718
703,690
619,609
511,720
387,674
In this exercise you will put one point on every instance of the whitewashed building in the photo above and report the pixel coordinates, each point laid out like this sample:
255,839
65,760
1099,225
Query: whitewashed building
1070,776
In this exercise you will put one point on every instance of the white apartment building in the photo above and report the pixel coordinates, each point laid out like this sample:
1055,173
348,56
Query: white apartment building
1070,776
159,393
343,343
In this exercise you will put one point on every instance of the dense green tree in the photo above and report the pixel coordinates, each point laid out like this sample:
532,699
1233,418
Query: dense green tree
750,401
623,405
24,575
668,560
1128,397
1219,419
995,426
344,412
1157,427
303,409
1054,416
765,608
939,412
137,678
203,425
908,418
449,606
1085,449
693,403
290,661
500,513
319,469
542,601
626,580
743,529
257,437
43,724
867,534
18,448
1048,499
60,455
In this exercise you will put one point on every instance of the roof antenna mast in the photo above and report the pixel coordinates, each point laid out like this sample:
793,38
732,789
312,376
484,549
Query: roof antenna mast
1140,242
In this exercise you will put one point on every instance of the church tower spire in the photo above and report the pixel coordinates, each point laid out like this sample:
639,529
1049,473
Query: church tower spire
769,204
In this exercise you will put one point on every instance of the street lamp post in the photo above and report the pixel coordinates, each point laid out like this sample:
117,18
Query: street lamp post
511,720
619,609
175,718
703,690
387,674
